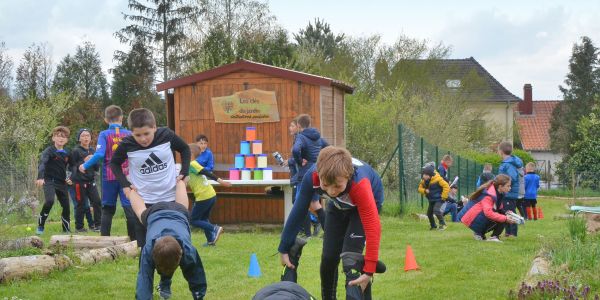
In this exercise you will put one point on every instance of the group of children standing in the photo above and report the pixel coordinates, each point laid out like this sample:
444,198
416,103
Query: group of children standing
521,195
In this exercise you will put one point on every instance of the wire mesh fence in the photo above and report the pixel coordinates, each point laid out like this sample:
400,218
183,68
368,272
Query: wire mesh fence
413,152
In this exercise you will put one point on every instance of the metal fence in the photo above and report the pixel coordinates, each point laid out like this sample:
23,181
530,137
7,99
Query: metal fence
412,152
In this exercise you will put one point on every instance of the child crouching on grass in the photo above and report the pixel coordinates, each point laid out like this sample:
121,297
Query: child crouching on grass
168,245
436,189
206,197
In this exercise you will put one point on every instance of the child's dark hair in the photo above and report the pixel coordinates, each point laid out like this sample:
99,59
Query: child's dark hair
141,117
61,130
501,179
194,150
112,113
506,148
304,120
201,137
166,255
334,162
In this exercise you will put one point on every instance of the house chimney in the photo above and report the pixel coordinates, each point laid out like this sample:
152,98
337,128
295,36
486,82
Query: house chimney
526,106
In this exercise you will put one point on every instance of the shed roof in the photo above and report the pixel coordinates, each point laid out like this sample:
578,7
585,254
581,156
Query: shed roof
251,66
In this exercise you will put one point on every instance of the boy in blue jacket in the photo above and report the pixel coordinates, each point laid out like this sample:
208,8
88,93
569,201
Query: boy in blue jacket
510,166
168,246
532,184
306,149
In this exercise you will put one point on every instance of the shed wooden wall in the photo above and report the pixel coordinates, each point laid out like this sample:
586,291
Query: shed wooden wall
193,115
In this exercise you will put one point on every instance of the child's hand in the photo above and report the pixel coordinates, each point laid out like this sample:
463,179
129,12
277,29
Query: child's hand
285,260
184,178
224,183
87,157
68,181
426,191
39,182
361,281
304,161
81,168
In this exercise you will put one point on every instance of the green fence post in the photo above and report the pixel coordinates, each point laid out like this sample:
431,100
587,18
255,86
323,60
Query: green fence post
460,179
401,186
437,159
467,176
422,205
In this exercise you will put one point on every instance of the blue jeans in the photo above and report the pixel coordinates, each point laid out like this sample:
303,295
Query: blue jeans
451,208
200,215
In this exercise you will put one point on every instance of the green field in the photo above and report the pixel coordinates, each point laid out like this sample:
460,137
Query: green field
453,265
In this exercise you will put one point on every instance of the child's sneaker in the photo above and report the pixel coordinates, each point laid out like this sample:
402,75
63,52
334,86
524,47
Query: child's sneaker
164,291
40,230
442,227
433,228
81,230
494,239
217,233
477,237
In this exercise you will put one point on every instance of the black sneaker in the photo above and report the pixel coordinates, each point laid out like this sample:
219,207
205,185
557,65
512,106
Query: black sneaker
81,230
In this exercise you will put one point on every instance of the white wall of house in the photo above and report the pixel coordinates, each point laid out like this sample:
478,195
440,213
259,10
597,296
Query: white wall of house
496,113
548,157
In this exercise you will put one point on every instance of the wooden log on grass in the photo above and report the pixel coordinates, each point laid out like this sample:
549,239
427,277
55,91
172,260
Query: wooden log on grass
87,242
20,243
24,266
109,253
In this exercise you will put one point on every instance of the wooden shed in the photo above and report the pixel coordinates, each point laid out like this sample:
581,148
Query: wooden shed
190,112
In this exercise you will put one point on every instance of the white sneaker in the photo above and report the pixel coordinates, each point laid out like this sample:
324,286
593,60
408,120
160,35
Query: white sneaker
477,237
494,239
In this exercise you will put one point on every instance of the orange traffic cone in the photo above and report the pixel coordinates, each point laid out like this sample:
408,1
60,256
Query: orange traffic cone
529,213
410,263
540,213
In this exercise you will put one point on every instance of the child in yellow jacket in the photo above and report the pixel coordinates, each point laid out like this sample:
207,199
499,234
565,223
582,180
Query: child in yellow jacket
206,197
436,189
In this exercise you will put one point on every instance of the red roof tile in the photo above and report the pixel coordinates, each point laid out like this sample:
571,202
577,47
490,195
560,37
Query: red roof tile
533,128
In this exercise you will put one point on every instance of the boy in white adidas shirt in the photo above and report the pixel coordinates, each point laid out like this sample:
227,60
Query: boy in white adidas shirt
149,151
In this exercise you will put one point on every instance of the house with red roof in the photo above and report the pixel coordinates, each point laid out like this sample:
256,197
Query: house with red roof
533,121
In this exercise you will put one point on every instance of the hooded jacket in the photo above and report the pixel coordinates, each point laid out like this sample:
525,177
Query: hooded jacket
307,146
438,188
510,166
482,211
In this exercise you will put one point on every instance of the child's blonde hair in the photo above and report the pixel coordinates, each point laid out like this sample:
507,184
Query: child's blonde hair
530,167
487,167
334,162
61,130
194,150
447,158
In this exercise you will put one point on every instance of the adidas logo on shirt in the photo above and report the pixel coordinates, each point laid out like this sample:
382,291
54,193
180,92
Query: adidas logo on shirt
153,164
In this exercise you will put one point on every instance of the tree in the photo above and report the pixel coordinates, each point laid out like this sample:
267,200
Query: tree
82,75
6,66
161,24
585,160
34,73
581,86
133,82
272,47
319,38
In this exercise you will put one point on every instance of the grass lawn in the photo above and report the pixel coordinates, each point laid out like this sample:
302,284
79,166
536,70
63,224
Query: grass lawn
453,265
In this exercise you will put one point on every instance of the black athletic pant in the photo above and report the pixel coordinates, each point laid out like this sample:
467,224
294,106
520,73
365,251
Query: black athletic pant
58,188
86,191
495,228
343,233
107,215
521,208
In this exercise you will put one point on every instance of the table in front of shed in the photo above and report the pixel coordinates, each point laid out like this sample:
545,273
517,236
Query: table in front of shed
283,183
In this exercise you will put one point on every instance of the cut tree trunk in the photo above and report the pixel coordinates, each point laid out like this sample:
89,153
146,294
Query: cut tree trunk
29,241
87,242
109,253
24,266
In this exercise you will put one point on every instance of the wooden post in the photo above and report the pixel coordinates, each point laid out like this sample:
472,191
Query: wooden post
29,241
24,266
84,241
109,253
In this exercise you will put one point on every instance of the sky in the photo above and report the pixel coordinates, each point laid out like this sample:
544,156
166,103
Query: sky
518,42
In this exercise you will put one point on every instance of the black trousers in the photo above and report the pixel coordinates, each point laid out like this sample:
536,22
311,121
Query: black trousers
56,188
495,228
83,192
107,216
435,208
343,233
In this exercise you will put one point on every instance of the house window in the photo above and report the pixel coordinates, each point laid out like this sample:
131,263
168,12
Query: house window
453,83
